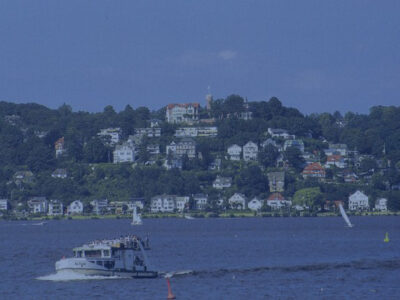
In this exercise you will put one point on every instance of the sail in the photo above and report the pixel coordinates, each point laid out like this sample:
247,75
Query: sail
136,219
344,215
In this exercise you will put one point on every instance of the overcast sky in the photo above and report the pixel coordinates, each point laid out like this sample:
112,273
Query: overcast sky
313,55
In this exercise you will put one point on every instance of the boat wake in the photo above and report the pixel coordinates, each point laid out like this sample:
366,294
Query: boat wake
70,275
361,264
176,273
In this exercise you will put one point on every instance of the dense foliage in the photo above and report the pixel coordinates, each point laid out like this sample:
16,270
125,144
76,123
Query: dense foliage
92,175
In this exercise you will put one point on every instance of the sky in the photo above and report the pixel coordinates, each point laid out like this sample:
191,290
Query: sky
317,56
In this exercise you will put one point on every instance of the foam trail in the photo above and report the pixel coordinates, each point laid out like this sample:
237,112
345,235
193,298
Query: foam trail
70,275
176,273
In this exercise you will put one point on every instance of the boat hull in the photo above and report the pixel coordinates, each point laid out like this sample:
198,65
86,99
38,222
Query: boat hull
82,266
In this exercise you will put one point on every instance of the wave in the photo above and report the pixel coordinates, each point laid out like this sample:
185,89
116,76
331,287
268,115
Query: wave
66,275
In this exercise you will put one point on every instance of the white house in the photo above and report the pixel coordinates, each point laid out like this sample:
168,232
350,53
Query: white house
124,153
75,208
277,201
200,201
222,182
3,204
358,201
148,131
279,133
162,203
181,202
99,206
237,201
255,204
381,204
234,152
250,151
56,208
186,146
111,135
182,113
294,143
38,205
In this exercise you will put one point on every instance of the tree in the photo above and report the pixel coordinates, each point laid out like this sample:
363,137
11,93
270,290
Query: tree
310,197
293,155
94,151
267,156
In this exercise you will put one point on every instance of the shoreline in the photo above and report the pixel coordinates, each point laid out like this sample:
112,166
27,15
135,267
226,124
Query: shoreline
205,215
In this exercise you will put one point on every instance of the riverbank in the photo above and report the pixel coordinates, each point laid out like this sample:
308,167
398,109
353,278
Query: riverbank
201,215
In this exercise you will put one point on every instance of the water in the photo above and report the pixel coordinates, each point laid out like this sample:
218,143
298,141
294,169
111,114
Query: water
244,258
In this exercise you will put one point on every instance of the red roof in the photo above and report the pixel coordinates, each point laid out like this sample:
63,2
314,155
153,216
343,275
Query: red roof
172,105
276,196
314,168
60,141
333,157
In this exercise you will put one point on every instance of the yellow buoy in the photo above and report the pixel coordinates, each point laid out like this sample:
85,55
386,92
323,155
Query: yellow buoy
386,239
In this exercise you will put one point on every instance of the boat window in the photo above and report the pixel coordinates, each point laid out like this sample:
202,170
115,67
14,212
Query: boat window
106,253
99,262
93,253
78,254
109,264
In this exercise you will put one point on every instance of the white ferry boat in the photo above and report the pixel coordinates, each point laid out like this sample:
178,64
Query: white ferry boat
123,257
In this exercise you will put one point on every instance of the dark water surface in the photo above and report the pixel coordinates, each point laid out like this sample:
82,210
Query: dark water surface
248,258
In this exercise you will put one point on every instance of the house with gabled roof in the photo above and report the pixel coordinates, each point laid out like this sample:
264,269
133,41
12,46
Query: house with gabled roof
75,208
182,113
250,151
314,170
237,201
186,146
277,201
255,204
381,204
358,201
234,152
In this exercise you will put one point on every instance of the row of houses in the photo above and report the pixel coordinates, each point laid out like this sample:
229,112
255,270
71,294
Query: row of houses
40,205
358,201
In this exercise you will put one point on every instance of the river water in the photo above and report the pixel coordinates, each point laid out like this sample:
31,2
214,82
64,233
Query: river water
242,258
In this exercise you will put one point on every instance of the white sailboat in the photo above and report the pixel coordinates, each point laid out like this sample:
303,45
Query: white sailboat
344,215
136,218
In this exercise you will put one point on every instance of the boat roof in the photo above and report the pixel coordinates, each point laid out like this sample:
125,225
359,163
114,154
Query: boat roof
107,244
